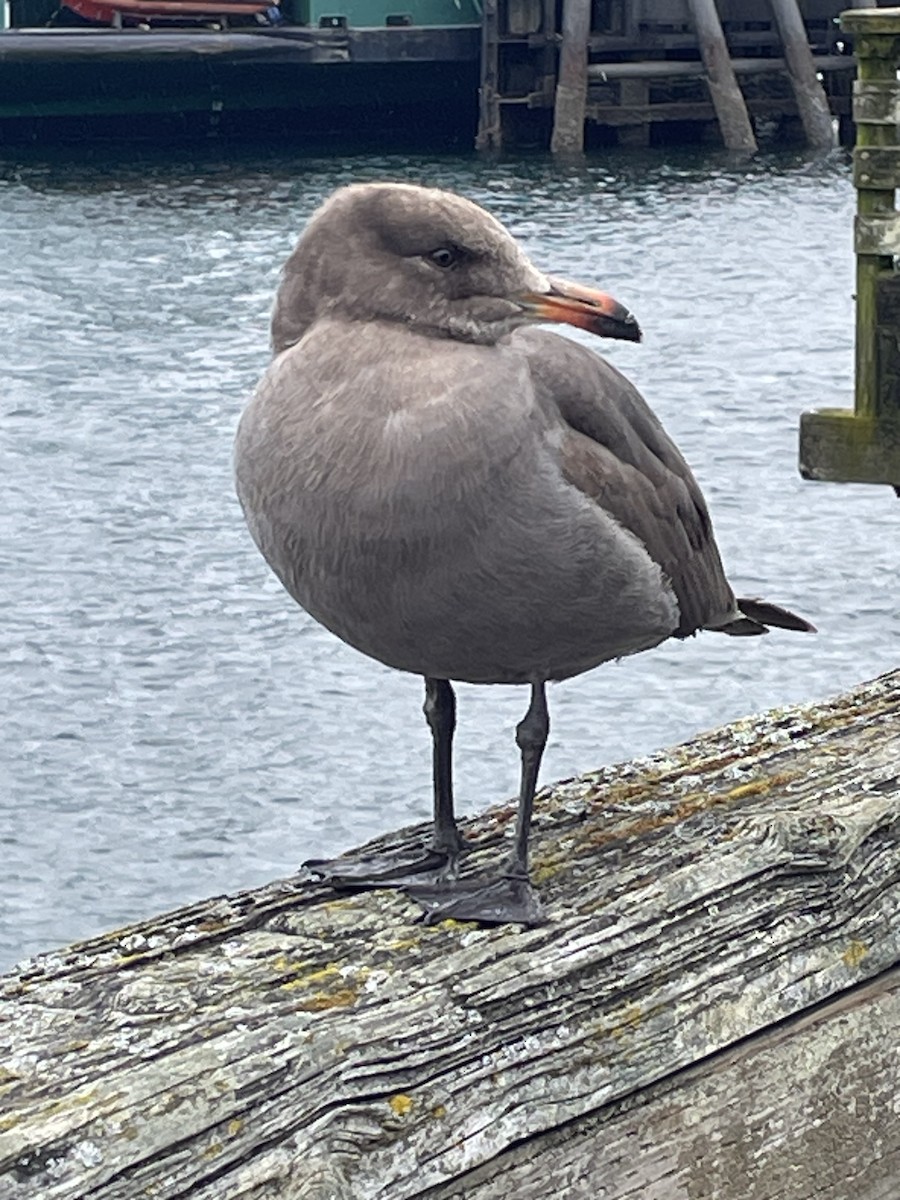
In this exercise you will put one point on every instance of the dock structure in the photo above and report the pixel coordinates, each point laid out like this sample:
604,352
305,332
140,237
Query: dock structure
862,444
724,90
571,88
711,1009
629,72
502,74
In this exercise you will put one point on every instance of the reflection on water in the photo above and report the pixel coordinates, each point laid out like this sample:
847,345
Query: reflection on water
173,726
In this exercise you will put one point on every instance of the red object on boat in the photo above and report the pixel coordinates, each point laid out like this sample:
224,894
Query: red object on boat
105,11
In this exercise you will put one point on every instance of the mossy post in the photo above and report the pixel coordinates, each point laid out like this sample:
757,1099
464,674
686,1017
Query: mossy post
862,445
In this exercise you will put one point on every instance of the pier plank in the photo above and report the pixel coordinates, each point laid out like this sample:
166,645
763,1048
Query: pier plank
794,1111
293,1042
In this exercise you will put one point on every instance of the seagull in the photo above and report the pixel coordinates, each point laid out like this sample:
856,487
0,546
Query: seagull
458,494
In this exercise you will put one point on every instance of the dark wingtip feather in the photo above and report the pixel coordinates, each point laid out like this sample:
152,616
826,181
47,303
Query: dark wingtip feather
764,613
742,627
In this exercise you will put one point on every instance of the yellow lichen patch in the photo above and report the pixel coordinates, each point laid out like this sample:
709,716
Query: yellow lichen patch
689,805
310,979
439,1112
7,1123
758,787
213,1150
755,787
235,1125
327,972
854,954
400,1104
628,1021
547,866
68,1102
286,966
343,998
404,944
330,986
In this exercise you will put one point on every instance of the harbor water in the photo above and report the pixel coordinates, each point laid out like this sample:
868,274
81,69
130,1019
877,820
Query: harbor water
173,726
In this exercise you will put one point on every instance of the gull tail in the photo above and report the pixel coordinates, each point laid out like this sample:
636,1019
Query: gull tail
757,615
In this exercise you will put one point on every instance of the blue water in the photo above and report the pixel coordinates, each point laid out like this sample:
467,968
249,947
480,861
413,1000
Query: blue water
173,727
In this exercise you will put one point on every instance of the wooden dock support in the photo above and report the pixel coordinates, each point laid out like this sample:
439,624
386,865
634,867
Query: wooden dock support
571,86
731,111
634,94
862,445
711,1010
812,103
490,135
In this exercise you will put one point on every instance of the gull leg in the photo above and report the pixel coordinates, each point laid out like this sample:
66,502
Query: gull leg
509,898
395,870
440,713
531,737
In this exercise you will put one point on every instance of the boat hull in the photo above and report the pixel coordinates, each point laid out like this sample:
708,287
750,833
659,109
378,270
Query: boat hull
79,84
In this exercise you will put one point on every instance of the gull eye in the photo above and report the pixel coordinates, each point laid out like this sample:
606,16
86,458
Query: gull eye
445,257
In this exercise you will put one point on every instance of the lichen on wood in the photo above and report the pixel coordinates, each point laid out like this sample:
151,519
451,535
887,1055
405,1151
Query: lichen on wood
293,1042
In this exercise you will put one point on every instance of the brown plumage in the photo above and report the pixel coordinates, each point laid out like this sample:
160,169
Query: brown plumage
461,496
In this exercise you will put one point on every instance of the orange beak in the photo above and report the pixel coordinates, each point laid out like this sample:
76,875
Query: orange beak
582,306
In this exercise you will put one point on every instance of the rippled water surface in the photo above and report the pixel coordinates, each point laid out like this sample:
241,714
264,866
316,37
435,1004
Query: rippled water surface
172,725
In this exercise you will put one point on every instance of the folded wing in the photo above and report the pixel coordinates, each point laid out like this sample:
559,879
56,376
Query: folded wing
614,449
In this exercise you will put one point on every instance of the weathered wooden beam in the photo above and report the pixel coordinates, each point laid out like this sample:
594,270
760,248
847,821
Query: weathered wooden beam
750,1122
671,68
571,84
619,116
289,1042
731,111
812,103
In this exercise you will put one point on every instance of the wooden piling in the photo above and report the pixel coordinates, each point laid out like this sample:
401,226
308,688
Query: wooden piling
862,445
571,86
812,103
549,54
711,1010
490,135
634,94
731,111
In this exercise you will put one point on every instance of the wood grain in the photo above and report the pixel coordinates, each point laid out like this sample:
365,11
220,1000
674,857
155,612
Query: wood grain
289,1042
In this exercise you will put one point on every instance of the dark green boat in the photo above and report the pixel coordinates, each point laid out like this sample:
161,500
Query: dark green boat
309,70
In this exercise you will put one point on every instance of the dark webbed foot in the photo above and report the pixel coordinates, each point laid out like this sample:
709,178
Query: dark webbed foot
509,898
430,876
383,870
439,861
500,901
